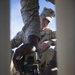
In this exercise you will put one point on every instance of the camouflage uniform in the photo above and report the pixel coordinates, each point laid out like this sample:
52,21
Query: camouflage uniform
30,16
31,21
32,29
46,34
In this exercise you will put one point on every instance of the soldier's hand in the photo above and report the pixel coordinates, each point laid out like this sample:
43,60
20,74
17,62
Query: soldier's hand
23,50
44,45
18,58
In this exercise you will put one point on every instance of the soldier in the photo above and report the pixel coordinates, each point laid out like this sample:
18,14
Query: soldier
31,29
46,17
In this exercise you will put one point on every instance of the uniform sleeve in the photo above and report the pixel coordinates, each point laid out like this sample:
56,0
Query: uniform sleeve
30,16
50,35
53,35
17,40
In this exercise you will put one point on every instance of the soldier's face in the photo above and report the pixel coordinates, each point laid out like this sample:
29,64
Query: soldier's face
44,22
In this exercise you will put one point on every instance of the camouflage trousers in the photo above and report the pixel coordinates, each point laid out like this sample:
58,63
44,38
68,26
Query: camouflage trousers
30,16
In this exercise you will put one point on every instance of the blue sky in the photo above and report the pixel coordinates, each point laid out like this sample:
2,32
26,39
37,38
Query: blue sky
16,22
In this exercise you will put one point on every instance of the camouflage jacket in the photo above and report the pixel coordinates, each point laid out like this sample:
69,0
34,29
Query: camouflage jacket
46,35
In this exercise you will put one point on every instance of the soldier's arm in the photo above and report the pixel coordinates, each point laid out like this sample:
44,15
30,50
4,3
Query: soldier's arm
17,40
52,36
